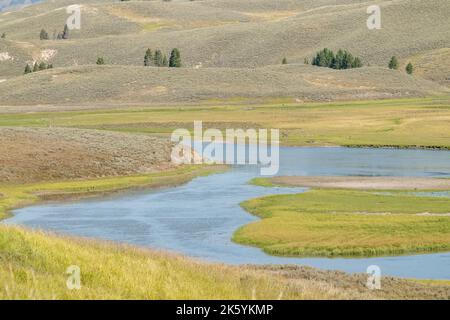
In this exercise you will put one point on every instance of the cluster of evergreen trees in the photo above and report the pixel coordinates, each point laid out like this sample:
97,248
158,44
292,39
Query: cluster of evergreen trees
159,59
393,64
37,67
341,60
63,35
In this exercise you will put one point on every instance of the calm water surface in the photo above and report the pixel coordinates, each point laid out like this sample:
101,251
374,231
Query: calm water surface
199,218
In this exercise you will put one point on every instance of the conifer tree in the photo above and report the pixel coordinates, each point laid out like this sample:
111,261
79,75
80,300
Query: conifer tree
43,35
175,59
409,68
158,58
148,58
27,69
65,34
393,64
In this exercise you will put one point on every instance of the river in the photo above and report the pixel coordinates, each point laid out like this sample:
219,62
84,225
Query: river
198,219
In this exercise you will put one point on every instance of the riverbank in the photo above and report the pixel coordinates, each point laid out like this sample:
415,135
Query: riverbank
345,222
14,196
357,183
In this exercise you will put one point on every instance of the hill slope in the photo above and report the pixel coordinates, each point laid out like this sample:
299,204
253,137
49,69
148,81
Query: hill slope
122,85
231,35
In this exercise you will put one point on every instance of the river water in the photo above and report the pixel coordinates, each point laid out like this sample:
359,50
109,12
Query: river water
198,219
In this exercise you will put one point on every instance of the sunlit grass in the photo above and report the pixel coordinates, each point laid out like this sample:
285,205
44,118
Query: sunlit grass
12,196
33,266
361,123
347,223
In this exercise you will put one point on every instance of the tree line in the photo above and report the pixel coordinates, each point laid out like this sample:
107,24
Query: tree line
341,60
63,35
159,59
37,66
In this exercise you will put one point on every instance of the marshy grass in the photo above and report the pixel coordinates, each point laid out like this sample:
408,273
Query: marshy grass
347,223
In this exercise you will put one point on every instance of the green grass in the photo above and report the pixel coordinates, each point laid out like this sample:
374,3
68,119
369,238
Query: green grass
33,266
333,223
364,123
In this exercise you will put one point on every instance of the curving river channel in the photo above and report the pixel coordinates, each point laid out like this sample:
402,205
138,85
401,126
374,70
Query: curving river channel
198,219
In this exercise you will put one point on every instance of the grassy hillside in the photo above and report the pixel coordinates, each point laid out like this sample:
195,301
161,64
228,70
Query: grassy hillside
33,266
218,33
235,36
119,85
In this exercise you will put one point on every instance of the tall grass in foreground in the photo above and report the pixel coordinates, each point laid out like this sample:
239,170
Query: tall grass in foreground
33,266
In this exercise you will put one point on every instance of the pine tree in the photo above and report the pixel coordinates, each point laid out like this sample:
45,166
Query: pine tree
35,67
43,35
158,58
148,58
27,69
409,68
175,59
357,63
393,64
339,60
42,66
284,61
65,34
164,62
100,61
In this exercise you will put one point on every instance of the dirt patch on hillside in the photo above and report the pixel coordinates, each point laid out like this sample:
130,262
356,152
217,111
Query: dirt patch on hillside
366,183
391,287
44,154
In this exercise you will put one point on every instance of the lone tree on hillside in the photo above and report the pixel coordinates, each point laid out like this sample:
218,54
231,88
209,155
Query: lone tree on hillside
284,61
393,64
100,61
65,34
27,69
148,58
175,59
409,68
43,35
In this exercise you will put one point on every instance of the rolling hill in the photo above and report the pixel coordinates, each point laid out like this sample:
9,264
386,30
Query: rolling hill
230,49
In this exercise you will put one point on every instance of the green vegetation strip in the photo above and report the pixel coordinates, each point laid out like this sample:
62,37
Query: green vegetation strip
345,223
13,196
381,123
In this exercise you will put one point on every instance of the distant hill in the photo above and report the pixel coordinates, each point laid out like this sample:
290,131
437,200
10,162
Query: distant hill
15,4
233,35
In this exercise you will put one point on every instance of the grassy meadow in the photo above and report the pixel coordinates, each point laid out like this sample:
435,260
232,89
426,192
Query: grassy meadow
374,123
338,223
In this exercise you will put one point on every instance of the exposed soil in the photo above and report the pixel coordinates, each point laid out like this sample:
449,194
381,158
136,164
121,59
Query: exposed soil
44,154
366,183
391,288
